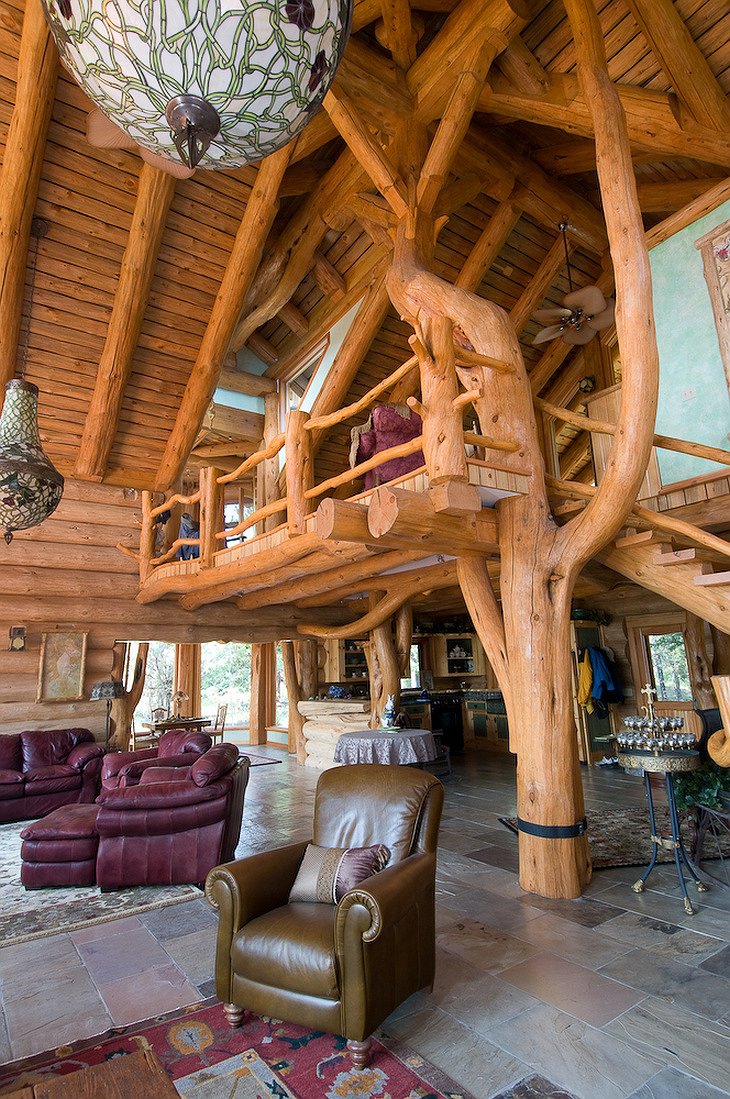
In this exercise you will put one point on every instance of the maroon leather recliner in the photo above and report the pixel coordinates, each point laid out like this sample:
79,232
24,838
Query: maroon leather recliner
177,748
42,769
175,825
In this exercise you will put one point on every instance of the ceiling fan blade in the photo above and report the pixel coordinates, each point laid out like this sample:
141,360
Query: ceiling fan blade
550,316
588,298
174,168
604,319
103,134
546,334
578,336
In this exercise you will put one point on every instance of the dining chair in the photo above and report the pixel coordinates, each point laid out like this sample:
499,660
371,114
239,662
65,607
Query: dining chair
216,733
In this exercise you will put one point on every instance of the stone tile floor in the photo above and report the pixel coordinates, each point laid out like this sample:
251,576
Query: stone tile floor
610,996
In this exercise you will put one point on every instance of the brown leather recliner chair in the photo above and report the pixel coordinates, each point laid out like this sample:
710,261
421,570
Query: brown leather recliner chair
339,967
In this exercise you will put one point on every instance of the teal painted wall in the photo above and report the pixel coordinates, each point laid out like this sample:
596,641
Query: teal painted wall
689,352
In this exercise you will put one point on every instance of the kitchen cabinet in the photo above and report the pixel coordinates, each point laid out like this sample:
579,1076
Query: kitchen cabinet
346,662
459,655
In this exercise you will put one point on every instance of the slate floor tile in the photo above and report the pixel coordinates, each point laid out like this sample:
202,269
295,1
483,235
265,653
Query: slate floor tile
127,955
194,954
670,1084
687,1042
572,988
689,986
534,1087
165,988
179,919
572,941
719,963
668,939
586,1062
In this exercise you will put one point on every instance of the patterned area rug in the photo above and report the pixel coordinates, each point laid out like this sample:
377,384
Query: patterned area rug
265,1057
26,915
621,837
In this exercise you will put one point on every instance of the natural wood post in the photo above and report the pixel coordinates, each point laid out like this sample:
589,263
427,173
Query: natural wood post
403,620
443,432
294,696
187,678
263,685
699,662
211,515
146,538
22,163
122,709
267,473
720,651
299,471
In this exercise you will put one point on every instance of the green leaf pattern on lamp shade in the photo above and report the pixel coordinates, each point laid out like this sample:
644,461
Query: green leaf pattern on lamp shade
264,65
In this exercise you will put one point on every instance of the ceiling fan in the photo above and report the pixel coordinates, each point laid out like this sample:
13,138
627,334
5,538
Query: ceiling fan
583,312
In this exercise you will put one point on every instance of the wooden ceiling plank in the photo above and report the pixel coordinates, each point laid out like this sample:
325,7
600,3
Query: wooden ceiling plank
22,165
154,195
683,62
240,270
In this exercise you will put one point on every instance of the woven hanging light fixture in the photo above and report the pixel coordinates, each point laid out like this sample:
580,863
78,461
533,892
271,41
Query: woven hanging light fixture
219,84
30,485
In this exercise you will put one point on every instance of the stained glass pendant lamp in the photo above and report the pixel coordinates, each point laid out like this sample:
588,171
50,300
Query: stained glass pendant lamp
30,485
218,83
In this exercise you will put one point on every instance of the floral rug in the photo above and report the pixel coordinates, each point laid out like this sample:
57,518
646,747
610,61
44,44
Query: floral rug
208,1060
620,837
29,914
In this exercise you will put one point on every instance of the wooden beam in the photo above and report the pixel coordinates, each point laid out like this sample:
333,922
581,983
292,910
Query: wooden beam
371,156
650,118
701,206
369,319
431,76
539,284
683,62
22,164
293,318
399,33
412,516
293,254
242,264
155,192
662,198
240,381
263,348
575,456
489,244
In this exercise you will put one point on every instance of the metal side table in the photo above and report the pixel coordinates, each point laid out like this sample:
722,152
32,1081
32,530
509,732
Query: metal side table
668,763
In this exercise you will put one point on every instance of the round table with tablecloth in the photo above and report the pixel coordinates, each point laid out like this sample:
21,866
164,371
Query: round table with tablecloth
386,746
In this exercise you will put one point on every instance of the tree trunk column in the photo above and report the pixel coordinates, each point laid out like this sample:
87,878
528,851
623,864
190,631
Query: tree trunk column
536,603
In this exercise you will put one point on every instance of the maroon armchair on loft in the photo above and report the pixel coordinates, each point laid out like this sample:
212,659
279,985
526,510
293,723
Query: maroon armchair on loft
341,966
175,825
177,748
386,426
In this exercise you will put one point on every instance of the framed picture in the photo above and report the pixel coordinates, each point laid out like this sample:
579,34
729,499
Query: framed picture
61,671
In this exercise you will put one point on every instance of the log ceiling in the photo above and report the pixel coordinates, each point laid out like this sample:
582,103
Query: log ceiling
143,285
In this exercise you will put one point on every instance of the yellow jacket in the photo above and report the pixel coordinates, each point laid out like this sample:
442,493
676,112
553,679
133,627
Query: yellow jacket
585,683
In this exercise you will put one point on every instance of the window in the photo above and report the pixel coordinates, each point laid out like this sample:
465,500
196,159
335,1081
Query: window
225,676
413,678
668,665
158,682
281,719
297,386
659,657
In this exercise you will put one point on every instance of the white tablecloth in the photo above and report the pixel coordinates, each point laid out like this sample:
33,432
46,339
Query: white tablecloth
379,746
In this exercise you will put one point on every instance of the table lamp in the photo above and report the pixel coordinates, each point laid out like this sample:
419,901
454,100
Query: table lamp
108,689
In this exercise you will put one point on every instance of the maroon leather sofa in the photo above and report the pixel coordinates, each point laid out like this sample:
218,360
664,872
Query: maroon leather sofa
177,748
42,769
175,825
